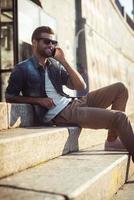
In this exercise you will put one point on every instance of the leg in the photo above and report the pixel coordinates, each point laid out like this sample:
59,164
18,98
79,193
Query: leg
99,118
115,95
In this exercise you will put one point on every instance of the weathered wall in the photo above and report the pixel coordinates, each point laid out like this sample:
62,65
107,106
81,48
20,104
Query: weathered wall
110,45
64,13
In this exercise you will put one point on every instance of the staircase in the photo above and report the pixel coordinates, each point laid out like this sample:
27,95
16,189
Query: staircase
54,163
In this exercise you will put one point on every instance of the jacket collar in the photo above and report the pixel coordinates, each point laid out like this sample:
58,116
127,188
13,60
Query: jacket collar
36,63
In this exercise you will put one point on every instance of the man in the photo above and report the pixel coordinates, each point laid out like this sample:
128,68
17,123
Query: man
40,80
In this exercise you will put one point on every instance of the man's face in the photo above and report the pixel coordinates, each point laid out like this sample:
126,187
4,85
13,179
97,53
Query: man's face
45,44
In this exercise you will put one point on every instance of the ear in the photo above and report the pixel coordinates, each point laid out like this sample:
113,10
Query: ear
34,43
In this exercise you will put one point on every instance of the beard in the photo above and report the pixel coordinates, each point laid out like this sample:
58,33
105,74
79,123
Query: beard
46,52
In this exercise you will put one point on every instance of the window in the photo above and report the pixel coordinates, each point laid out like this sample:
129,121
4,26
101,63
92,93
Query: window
6,41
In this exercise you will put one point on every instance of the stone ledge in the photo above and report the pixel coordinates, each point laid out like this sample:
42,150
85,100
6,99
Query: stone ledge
3,116
15,115
19,115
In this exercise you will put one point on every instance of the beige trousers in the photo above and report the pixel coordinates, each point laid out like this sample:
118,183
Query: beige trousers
90,111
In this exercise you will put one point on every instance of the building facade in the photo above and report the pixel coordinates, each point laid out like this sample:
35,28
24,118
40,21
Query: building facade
95,36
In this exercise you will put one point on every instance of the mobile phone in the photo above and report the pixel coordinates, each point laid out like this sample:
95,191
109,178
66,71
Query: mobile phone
53,52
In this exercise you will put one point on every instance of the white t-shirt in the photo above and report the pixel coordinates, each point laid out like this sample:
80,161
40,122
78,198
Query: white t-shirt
60,101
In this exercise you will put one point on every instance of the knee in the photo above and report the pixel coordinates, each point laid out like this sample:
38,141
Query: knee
122,88
119,119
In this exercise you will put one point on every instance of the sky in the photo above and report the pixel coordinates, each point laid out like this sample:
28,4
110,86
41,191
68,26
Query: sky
128,4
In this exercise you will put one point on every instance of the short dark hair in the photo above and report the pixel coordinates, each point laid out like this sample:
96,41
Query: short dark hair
41,29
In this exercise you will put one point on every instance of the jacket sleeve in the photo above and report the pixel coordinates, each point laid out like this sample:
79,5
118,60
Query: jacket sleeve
64,75
16,82
65,78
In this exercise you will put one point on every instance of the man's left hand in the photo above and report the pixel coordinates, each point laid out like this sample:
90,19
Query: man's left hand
59,55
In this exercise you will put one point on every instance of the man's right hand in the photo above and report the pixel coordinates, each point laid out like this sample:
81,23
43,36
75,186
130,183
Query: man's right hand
46,102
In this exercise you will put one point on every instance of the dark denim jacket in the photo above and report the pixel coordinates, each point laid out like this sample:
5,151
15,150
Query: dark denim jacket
28,78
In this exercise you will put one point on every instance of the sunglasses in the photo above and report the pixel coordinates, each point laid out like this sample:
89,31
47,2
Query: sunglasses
48,41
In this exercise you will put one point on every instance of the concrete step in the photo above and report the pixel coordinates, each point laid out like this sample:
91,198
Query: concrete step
84,175
18,194
126,192
22,148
